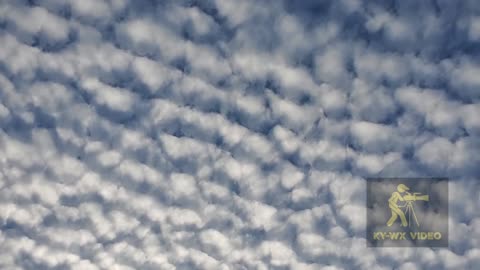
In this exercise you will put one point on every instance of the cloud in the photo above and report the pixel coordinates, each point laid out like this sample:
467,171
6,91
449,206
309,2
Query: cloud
230,135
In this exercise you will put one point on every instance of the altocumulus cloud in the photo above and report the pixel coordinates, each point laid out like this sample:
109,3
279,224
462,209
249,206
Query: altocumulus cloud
231,134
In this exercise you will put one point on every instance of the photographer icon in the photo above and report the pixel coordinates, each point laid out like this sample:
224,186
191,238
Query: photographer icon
408,198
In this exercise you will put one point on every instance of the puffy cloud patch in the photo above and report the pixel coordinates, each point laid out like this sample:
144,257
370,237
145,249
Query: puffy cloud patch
230,135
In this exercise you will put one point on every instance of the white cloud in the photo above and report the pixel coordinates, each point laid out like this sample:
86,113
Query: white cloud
91,9
230,135
372,137
235,13
215,242
474,30
465,81
278,253
153,74
330,65
41,22
291,177
112,97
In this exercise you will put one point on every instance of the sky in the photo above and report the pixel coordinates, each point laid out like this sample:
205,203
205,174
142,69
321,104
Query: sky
226,134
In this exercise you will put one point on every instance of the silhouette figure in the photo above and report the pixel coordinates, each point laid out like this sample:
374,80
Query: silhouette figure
396,211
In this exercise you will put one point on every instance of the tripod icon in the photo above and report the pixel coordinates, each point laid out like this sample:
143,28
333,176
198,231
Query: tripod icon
409,212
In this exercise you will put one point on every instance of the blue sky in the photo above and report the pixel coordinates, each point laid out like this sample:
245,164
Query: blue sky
231,134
